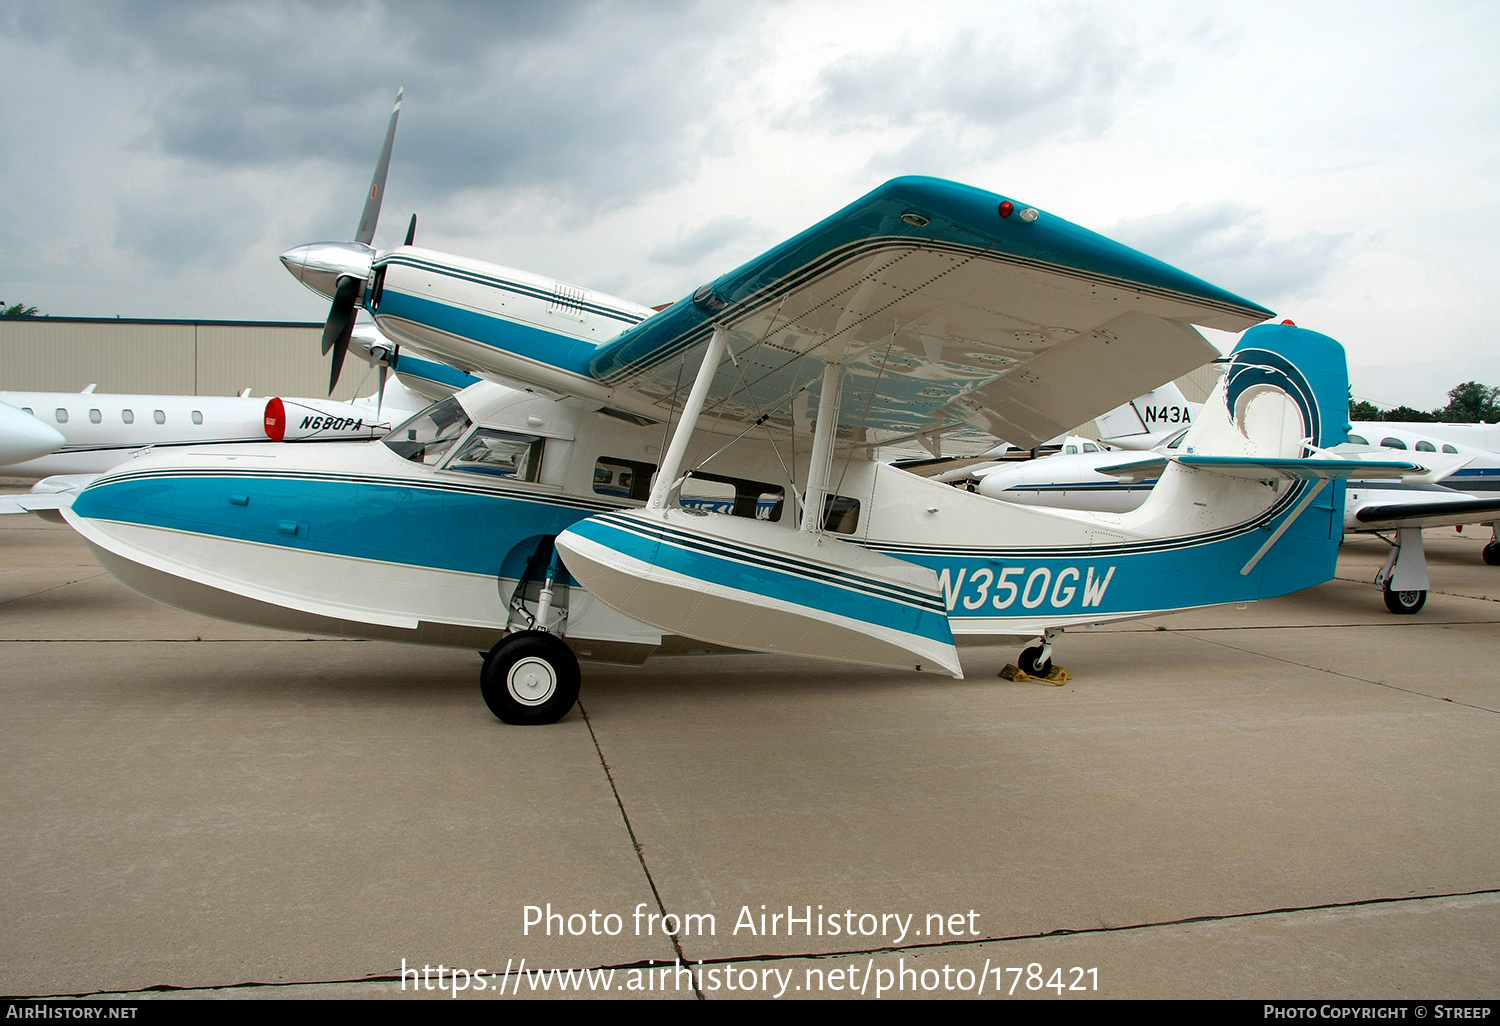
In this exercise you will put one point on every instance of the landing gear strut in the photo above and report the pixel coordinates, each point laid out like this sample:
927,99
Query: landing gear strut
530,677
1036,661
1403,578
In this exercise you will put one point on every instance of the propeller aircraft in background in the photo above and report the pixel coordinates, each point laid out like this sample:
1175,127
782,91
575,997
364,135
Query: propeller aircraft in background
629,482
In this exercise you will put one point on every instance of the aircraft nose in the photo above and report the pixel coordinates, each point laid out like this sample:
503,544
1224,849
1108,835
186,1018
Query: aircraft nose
320,265
24,437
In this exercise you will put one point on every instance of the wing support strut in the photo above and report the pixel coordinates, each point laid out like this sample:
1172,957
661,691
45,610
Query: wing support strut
666,477
821,463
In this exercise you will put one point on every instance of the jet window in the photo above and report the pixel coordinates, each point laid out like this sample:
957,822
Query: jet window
1392,443
500,454
95,417
425,437
1071,450
128,416
1426,446
27,409
626,479
1090,447
1176,439
715,493
1449,448
159,416
62,415
197,417
1359,440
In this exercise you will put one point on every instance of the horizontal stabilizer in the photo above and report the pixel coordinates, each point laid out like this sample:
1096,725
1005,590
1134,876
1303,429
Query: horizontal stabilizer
764,587
1252,468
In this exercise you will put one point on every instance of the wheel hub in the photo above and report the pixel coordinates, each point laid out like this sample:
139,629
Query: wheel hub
531,681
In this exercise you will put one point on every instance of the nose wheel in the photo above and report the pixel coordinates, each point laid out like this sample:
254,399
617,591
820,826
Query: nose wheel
530,677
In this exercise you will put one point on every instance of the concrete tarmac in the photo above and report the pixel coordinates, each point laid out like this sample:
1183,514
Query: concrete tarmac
1298,799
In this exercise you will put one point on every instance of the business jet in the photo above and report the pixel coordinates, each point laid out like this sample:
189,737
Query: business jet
97,431
630,482
1454,487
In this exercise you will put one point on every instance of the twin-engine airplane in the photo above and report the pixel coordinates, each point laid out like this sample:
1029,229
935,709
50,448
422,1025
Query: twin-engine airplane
702,478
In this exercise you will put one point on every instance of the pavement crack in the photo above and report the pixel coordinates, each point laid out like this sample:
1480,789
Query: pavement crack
55,587
634,840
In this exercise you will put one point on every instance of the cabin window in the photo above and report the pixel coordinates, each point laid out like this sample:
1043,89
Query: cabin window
159,416
95,417
1449,448
1426,446
27,409
715,493
500,454
1392,443
625,479
1176,440
840,514
62,415
1090,447
197,417
1071,450
426,437
128,416
1359,440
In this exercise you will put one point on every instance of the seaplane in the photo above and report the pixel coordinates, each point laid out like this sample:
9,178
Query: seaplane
628,481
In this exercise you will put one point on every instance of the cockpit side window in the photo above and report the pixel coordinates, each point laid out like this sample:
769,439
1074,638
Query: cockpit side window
427,437
499,454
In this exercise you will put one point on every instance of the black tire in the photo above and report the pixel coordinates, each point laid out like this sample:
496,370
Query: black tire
530,677
1405,602
1492,553
1027,661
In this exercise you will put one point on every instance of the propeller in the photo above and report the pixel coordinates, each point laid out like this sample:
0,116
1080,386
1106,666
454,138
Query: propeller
339,269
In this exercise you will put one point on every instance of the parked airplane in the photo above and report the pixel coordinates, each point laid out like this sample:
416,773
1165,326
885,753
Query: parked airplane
1118,482
23,437
563,518
98,431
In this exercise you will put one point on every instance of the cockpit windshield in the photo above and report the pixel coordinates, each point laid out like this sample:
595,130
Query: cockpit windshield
427,436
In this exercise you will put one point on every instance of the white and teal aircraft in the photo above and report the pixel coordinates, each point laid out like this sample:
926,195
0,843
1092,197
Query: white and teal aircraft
628,482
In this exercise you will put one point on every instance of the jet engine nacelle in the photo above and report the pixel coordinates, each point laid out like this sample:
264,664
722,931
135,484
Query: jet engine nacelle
311,420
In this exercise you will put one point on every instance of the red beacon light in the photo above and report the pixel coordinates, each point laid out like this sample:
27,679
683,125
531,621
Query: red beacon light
1006,208
1289,321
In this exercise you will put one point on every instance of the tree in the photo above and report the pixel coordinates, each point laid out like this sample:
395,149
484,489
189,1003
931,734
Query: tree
1472,402
1363,410
16,310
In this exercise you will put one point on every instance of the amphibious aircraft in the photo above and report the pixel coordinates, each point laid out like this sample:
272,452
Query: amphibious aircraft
702,477
1456,487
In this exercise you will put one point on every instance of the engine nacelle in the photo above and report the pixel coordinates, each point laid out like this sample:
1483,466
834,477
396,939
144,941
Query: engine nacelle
311,420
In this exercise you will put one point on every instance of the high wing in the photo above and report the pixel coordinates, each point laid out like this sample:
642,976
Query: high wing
947,306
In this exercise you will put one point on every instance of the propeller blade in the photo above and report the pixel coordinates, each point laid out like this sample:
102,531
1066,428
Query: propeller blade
341,314
411,230
340,348
371,215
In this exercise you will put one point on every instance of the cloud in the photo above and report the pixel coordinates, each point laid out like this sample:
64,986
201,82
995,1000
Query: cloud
1231,246
702,241
589,104
981,95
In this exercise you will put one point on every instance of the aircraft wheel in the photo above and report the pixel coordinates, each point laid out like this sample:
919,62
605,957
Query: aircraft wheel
1492,553
1028,663
1405,601
530,677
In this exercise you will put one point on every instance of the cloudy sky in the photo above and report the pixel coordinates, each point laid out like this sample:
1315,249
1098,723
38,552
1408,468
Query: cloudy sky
1337,162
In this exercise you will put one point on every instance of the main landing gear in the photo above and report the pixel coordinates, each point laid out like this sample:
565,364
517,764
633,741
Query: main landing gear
1404,601
530,677
1036,661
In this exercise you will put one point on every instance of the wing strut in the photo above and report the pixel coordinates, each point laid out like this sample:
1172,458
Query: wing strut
666,478
821,464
